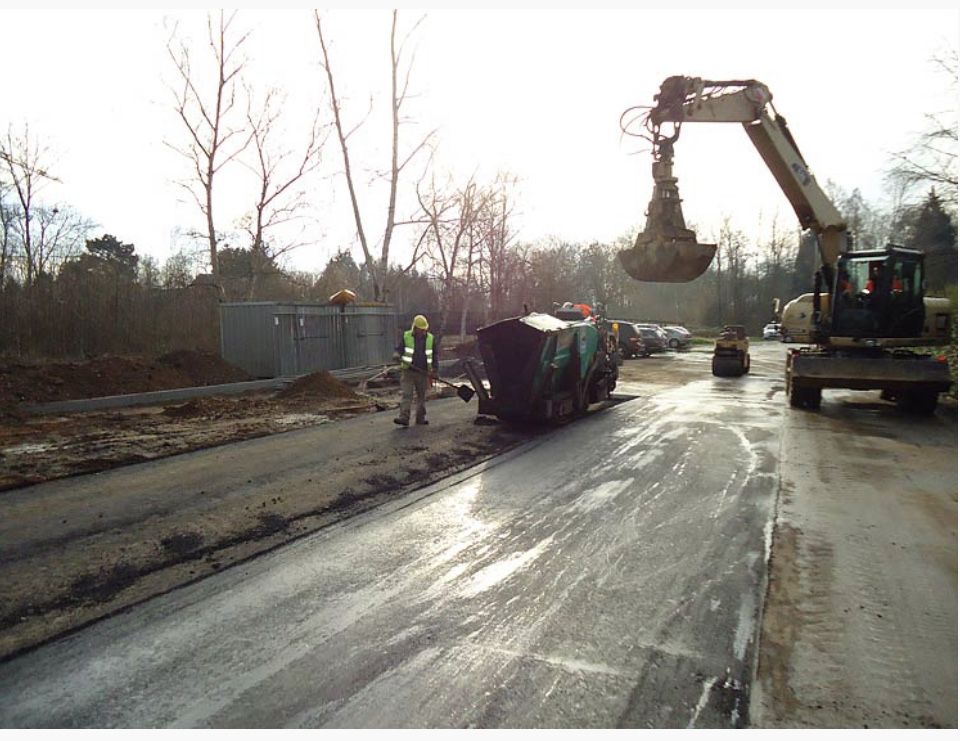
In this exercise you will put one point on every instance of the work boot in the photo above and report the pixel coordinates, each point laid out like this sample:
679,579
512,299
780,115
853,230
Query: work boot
422,421
401,421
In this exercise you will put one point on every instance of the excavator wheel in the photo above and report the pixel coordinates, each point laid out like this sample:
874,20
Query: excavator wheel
918,402
804,397
746,364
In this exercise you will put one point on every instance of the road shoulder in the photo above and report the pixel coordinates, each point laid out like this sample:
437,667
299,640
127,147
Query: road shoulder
859,626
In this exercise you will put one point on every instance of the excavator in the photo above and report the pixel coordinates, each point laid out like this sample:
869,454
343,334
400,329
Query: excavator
868,314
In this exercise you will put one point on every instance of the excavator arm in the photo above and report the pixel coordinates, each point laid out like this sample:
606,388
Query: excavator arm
666,250
861,336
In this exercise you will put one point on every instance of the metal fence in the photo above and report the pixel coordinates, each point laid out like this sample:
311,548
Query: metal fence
270,339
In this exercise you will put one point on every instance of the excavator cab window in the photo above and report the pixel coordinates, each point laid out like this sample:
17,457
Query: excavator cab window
851,281
906,296
879,295
906,277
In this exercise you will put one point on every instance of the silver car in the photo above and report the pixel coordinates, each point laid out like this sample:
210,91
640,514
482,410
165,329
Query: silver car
771,331
677,336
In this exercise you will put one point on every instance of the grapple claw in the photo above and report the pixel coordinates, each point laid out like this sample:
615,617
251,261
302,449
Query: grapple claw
666,251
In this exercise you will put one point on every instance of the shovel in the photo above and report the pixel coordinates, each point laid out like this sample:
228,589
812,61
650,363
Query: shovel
463,391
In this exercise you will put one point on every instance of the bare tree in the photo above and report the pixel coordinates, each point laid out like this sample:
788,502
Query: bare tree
280,173
775,248
867,227
377,267
60,234
732,261
553,269
499,260
207,117
8,217
438,209
453,236
601,278
24,161
932,159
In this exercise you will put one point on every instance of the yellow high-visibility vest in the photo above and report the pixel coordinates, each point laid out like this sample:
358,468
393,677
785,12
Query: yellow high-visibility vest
408,344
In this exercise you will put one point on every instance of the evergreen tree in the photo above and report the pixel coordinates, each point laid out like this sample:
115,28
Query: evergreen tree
118,256
930,228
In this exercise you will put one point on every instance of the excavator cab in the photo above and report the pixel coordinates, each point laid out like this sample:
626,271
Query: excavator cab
879,294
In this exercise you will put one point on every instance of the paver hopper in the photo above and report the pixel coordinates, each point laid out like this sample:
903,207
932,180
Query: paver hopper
542,368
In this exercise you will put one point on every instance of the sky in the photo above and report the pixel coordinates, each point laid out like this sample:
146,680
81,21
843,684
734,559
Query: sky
536,92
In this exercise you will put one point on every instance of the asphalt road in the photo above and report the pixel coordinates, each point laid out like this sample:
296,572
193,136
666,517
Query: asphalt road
608,574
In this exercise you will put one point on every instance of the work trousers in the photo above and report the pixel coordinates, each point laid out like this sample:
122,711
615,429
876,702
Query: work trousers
413,381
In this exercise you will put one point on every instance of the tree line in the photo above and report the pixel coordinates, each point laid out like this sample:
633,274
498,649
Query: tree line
67,293
108,299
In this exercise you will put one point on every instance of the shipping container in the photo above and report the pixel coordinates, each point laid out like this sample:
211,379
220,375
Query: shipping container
269,339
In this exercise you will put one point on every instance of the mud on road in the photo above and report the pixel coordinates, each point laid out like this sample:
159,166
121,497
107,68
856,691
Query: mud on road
82,547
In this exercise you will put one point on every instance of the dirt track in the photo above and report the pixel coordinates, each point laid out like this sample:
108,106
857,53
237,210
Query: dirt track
34,449
45,448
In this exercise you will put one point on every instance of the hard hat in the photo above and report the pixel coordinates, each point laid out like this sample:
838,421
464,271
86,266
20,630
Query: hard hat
420,322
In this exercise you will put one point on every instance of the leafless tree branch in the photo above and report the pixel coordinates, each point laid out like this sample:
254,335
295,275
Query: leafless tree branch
206,118
378,268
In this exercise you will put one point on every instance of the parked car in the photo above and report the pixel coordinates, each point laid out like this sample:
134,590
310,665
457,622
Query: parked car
654,338
771,331
677,336
630,341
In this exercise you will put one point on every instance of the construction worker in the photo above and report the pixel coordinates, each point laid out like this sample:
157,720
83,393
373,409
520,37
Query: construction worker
846,287
876,272
418,362
896,285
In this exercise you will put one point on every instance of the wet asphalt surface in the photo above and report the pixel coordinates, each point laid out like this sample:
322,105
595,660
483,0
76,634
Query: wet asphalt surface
608,574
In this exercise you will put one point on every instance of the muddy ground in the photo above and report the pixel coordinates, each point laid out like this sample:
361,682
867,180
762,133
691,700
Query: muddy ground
34,449
97,550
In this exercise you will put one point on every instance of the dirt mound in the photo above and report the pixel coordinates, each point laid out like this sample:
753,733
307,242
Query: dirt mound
319,385
104,376
204,368
111,375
